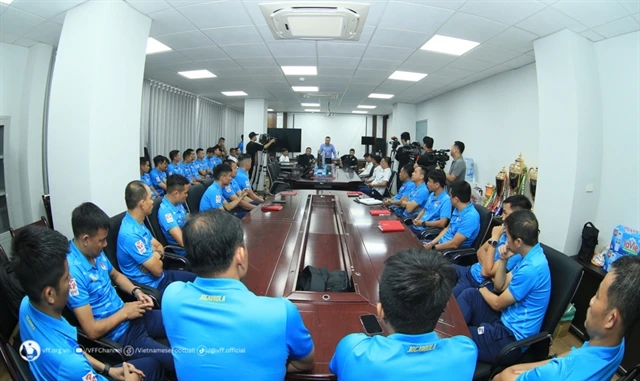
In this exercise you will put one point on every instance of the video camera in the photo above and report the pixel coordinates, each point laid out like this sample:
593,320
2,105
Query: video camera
441,156
394,143
265,138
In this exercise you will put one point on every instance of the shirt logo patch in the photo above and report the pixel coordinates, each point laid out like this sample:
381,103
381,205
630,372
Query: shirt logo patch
89,377
73,288
93,277
140,247
218,199
421,348
480,330
104,267
169,217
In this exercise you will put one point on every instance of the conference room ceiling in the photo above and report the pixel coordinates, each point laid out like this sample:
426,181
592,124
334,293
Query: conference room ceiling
232,40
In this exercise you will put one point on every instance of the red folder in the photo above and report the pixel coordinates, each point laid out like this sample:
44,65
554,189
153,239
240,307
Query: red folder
271,208
380,212
391,226
354,194
288,193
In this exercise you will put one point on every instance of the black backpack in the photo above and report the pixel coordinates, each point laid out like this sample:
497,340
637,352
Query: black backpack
589,242
319,279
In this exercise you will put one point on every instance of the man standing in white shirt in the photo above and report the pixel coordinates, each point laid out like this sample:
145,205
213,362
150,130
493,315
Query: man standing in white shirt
377,184
284,157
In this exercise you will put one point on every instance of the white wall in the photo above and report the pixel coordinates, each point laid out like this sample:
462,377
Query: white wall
345,131
619,69
496,118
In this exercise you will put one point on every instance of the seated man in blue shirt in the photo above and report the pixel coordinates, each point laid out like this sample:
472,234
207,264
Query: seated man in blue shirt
213,197
489,252
189,169
403,193
465,222
613,310
40,264
171,215
175,168
139,254
145,167
243,181
517,313
232,191
202,165
262,337
436,212
415,287
410,207
158,174
94,300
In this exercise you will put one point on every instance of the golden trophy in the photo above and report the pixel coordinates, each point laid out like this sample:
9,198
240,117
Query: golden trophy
517,172
533,182
495,196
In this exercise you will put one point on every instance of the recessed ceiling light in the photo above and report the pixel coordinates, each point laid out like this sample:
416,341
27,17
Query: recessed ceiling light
367,107
270,109
6,1
153,45
407,76
299,70
310,104
305,88
312,110
449,45
359,112
234,93
381,96
197,74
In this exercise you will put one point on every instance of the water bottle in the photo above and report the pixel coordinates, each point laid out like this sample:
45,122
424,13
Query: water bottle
618,240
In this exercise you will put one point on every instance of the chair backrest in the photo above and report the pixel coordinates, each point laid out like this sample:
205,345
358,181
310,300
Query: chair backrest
392,179
154,225
17,367
111,251
193,198
11,294
46,200
632,374
207,183
485,224
41,222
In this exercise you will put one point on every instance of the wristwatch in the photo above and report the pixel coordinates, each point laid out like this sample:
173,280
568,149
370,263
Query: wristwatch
493,242
105,371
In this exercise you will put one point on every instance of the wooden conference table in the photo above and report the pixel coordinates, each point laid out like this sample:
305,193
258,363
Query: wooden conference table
327,228
342,179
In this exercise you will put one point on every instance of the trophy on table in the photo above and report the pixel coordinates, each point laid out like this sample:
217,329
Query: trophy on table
517,176
533,182
497,194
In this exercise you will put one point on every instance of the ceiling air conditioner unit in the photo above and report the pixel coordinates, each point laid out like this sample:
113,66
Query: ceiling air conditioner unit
316,20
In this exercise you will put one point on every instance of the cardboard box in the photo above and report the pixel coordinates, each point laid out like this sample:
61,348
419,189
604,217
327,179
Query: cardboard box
562,329
625,241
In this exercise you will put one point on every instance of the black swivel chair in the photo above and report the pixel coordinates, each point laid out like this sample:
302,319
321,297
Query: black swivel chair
207,183
632,374
17,367
467,256
392,179
173,261
565,278
277,186
193,198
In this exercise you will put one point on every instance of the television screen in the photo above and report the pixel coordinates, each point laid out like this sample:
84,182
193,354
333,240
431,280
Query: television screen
367,140
289,138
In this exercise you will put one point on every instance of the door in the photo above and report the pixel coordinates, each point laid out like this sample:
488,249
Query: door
421,130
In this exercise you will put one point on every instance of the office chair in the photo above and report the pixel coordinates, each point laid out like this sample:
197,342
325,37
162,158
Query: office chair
46,200
467,256
277,186
392,179
565,278
632,374
172,261
17,367
206,183
193,198
41,222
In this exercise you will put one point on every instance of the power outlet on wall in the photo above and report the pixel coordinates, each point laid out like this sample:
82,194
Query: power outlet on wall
589,188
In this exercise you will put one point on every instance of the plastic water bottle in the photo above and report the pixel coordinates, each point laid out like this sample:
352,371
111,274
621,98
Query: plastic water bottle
618,240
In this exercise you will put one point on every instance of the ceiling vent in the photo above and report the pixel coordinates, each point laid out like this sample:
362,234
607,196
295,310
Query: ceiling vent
308,20
321,95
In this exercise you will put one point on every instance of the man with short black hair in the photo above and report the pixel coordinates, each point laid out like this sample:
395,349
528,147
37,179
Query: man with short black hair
139,254
518,309
201,164
436,211
233,191
158,174
308,157
376,186
221,145
403,156
242,178
350,160
284,156
458,168
175,168
410,207
427,159
233,155
171,214
367,171
327,151
189,169
145,167
253,147
407,186
40,264
213,197
414,289
267,333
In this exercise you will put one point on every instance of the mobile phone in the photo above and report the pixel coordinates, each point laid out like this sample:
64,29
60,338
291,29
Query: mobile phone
370,324
280,201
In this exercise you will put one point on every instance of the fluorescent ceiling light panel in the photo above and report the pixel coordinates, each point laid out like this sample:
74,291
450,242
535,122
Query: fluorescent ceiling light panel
367,107
197,74
299,70
359,112
449,45
310,104
381,96
153,45
407,76
269,109
6,1
312,110
305,88
234,93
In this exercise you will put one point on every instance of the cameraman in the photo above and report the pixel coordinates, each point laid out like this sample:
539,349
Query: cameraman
458,168
403,154
427,159
253,147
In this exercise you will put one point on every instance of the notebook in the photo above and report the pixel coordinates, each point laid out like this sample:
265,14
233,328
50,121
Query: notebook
271,208
391,226
354,194
369,201
288,193
380,212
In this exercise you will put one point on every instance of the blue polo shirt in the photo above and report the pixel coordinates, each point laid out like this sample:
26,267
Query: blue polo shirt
145,178
404,190
241,146
240,336
202,164
419,194
586,363
437,208
193,170
465,222
212,198
476,268
404,357
531,287
91,284
242,179
171,216
157,178
134,248
215,161
230,190
57,358
175,169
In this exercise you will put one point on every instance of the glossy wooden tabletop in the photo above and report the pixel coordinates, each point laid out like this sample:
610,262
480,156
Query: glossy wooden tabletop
341,179
327,229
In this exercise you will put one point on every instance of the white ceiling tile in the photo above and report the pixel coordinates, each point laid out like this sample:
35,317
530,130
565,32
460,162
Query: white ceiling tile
336,49
8,38
297,61
429,60
370,64
519,61
388,52
59,18
449,4
293,49
371,76
617,28
48,32
247,50
221,63
149,6
271,70
393,87
216,14
204,53
253,9
637,17
234,35
333,80
185,40
514,39
400,38
17,22
186,66
338,62
472,28
338,72
272,79
186,3
505,11
549,21
45,8
3,7
454,73
26,42
266,34
168,21
414,17
470,64
365,37
436,79
222,73
258,62
592,13
165,58
632,6
591,35
491,54
376,10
